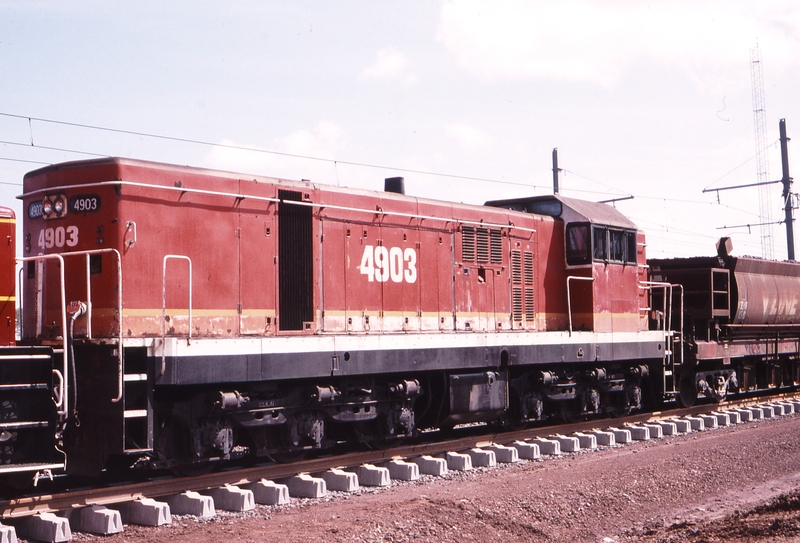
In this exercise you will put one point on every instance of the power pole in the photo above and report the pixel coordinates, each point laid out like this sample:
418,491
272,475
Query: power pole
787,190
788,197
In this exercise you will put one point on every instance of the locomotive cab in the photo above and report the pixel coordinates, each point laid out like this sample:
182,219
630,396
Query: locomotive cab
603,262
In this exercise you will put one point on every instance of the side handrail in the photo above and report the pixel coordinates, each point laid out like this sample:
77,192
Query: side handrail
62,403
164,305
668,311
649,285
680,328
19,297
569,297
39,287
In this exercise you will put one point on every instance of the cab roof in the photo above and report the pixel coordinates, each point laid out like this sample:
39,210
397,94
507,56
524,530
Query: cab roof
567,209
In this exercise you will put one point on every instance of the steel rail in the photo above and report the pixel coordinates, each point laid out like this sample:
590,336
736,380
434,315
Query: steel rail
109,495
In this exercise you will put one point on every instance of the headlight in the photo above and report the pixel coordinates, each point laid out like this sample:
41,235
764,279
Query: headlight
54,206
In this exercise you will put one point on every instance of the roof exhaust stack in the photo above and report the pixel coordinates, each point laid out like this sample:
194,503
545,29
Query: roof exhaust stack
394,184
556,169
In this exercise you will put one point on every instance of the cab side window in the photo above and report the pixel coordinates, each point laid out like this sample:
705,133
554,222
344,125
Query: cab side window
630,255
617,245
591,242
578,244
600,249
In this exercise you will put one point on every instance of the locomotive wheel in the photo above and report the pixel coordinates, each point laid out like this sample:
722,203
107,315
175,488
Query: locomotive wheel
511,424
687,395
175,447
384,443
513,418
571,416
369,436
287,453
288,457
617,412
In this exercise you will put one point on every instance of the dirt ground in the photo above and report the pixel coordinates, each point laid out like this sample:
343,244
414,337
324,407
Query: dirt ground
735,484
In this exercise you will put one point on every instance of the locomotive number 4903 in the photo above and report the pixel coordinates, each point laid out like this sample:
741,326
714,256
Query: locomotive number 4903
58,237
384,263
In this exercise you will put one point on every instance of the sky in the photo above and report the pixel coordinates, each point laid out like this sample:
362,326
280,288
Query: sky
466,99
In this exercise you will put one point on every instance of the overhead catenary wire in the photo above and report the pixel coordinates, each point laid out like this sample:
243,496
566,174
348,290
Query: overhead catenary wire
257,150
25,161
708,187
334,162
59,149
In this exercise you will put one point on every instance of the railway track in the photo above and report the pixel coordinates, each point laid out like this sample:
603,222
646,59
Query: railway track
73,500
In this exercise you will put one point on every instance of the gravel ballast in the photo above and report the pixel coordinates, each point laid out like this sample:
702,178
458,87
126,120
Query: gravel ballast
735,483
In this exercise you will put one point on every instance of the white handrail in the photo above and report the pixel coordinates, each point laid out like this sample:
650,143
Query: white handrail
89,298
667,299
87,254
668,311
240,196
62,403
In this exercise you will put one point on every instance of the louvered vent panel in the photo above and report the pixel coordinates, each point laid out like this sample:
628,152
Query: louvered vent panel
468,243
528,268
530,314
497,246
516,268
516,303
483,245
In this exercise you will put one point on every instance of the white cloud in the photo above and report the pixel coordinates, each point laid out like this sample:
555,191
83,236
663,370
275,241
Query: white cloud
581,40
469,137
390,64
284,156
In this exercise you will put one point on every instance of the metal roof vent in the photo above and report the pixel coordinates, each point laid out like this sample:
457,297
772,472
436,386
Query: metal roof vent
394,184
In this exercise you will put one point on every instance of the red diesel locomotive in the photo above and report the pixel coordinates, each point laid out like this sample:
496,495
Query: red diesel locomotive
183,315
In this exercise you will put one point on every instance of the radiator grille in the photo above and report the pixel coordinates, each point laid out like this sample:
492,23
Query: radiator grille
468,243
497,246
483,245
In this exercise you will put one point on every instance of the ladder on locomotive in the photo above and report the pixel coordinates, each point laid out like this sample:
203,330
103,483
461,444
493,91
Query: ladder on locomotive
28,419
134,393
669,320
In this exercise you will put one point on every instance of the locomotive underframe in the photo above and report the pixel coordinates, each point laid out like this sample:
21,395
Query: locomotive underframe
218,406
219,415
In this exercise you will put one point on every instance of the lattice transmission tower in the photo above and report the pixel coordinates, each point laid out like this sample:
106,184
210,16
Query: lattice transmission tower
762,167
